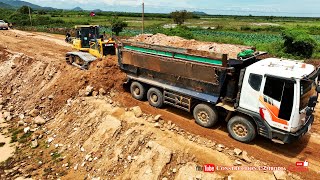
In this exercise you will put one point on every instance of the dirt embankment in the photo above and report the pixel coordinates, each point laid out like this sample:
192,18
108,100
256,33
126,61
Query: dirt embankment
62,134
59,133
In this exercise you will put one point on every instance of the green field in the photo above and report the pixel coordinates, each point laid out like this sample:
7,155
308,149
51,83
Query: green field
261,32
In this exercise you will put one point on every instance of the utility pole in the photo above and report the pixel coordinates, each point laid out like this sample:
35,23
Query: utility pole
142,16
30,15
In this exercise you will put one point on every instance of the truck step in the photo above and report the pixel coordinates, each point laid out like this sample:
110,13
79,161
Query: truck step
277,141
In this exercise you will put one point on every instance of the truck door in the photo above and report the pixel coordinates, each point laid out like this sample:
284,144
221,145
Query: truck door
276,102
250,92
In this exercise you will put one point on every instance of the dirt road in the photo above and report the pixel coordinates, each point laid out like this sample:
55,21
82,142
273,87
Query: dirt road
51,49
263,149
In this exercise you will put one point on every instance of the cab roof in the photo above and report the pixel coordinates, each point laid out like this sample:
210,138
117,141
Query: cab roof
282,68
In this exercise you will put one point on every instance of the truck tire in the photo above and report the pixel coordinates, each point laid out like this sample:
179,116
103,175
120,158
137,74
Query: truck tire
155,97
205,115
241,129
137,90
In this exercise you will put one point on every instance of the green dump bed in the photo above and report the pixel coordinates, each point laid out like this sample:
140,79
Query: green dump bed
176,53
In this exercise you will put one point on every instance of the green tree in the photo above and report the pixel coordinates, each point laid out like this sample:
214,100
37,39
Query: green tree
24,10
179,17
298,43
20,19
42,12
117,25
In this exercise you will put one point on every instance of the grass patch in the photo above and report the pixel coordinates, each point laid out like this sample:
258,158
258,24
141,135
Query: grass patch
56,156
14,136
24,137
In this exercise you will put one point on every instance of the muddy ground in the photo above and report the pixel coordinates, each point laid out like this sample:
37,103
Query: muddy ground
60,132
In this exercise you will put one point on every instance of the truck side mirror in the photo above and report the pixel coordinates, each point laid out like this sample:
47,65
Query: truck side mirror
312,101
309,112
318,89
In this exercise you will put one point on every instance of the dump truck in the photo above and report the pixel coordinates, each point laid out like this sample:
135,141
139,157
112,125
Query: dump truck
271,97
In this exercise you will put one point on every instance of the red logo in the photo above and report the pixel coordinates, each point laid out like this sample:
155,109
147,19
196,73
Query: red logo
209,168
300,167
299,163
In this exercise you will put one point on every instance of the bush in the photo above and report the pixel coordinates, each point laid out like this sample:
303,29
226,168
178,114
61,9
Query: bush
42,12
20,19
179,17
25,10
298,43
180,31
314,30
117,25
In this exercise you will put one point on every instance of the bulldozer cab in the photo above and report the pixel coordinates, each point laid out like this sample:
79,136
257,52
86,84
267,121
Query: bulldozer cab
86,34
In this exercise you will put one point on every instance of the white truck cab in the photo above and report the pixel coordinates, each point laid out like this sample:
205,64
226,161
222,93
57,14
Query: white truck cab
280,95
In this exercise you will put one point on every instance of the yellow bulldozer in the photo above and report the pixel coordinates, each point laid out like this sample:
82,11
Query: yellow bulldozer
90,45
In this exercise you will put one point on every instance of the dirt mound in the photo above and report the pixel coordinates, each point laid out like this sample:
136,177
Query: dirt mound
161,39
36,80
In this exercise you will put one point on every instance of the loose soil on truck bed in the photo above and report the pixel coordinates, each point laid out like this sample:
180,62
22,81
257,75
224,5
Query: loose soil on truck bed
175,41
72,124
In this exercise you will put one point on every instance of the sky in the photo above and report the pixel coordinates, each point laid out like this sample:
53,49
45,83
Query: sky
226,7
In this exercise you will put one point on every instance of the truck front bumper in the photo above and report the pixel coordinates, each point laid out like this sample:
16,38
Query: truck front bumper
286,137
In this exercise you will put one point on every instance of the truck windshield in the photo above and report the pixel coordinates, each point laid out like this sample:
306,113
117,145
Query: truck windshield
1,21
307,90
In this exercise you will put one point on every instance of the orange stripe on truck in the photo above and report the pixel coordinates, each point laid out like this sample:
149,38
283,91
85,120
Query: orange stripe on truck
274,111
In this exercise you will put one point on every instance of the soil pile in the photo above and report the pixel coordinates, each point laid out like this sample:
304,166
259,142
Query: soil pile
164,40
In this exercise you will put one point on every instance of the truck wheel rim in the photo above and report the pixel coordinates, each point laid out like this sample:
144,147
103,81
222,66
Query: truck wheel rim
203,116
137,91
154,98
240,130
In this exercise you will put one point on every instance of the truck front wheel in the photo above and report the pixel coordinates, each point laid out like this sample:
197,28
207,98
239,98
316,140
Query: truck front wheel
205,115
155,97
137,90
241,129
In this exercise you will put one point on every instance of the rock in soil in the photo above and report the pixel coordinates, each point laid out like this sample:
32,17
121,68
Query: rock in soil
102,92
237,163
137,111
280,175
89,90
34,144
157,118
34,113
237,151
245,157
39,120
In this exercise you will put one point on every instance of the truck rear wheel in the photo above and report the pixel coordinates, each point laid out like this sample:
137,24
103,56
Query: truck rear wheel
155,97
241,129
137,90
205,115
